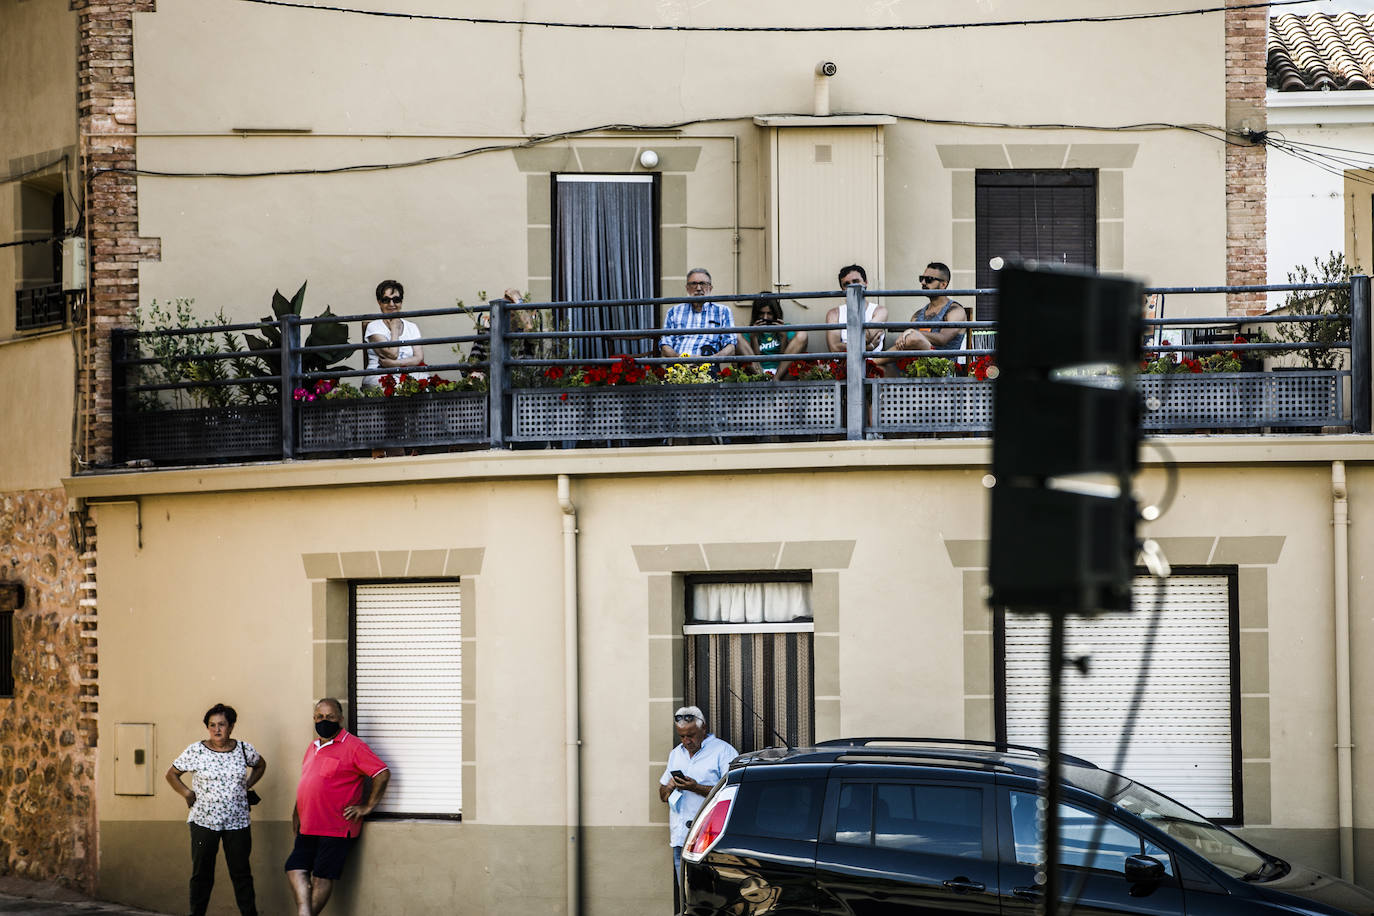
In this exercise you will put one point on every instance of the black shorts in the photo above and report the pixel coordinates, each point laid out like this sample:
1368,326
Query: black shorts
321,856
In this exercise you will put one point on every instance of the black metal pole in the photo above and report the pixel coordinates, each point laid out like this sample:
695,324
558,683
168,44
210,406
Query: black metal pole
1050,836
119,397
1360,381
497,382
854,361
290,342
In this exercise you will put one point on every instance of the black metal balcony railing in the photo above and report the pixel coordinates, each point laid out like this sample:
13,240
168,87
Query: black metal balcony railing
257,404
39,307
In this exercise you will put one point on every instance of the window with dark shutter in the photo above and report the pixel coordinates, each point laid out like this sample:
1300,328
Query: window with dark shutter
1048,215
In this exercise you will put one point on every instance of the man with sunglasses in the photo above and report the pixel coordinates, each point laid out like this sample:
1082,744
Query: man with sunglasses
694,767
937,308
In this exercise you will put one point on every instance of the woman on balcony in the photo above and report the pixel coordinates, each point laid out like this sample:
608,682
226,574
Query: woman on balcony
771,343
394,329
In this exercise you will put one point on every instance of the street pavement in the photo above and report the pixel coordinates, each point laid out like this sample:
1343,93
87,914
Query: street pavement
32,906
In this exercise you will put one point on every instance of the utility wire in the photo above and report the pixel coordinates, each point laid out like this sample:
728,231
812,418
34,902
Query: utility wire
632,27
1213,132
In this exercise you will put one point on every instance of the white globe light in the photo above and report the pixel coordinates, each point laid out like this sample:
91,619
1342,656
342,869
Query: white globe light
648,158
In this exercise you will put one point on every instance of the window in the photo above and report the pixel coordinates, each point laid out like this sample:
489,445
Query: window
1049,215
407,691
748,666
912,817
785,809
6,653
605,242
1185,739
38,270
1077,828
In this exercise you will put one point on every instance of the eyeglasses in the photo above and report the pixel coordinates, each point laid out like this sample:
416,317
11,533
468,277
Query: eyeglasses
683,717
932,279
390,299
698,282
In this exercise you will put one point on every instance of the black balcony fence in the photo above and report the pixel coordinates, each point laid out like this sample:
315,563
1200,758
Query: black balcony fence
183,399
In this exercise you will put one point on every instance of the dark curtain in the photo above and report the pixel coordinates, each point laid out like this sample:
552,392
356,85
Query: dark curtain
604,244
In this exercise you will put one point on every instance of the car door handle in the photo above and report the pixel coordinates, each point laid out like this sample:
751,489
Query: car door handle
1032,892
964,884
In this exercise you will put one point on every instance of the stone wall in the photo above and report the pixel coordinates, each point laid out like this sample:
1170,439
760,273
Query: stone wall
47,746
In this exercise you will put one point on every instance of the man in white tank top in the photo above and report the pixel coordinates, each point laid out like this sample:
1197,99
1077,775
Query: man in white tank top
837,339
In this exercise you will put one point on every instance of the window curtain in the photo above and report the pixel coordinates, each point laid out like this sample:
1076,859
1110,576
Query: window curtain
751,602
604,242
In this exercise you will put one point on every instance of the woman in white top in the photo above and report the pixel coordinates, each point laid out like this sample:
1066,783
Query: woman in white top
392,328
837,339
224,770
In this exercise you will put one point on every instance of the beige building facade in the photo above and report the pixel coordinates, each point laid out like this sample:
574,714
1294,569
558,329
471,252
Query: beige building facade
216,151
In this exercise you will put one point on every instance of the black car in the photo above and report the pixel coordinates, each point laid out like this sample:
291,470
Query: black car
870,826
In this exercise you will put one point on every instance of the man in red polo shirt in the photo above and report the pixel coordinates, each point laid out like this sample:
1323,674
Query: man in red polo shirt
329,808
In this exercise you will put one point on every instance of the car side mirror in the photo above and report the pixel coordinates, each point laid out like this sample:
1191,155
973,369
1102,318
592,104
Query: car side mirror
1144,870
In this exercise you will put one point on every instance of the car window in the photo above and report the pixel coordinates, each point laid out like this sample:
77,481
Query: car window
913,817
1076,830
783,809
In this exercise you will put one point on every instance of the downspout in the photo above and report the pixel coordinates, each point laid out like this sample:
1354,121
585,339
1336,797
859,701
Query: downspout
1340,525
572,689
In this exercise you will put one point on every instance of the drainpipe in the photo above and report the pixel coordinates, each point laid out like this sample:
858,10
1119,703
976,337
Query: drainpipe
572,688
1340,524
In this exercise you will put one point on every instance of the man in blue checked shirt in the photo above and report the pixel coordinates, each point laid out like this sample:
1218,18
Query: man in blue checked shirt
689,317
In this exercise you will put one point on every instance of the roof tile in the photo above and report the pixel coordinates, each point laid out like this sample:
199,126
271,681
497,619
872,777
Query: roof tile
1319,51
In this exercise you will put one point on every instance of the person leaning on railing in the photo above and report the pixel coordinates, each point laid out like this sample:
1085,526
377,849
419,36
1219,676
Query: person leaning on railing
392,328
772,343
521,320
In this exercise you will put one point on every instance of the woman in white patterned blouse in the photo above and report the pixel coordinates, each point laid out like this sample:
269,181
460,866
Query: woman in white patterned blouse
224,770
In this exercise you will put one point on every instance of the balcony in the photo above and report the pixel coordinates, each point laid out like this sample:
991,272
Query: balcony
39,307
184,399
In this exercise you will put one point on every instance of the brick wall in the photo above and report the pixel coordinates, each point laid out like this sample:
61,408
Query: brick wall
47,731
1246,31
108,121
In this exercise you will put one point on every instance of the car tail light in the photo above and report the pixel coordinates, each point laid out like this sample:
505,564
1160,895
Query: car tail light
709,824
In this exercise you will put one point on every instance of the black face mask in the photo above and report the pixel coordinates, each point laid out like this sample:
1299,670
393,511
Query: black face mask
326,729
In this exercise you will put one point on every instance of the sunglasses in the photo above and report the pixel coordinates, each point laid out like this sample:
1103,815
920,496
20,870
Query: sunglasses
932,279
681,717
390,299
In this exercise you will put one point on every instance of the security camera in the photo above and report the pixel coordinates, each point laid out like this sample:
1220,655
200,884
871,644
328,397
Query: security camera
826,68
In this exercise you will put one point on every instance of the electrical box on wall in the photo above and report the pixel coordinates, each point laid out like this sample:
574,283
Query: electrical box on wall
73,264
133,758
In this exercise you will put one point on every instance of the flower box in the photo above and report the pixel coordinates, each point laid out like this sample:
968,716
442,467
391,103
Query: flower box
199,434
659,411
343,424
1180,401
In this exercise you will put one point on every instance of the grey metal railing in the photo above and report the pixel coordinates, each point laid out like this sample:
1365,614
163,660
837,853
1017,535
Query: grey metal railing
267,404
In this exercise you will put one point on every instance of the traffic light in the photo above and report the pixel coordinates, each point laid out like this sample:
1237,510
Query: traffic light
1066,433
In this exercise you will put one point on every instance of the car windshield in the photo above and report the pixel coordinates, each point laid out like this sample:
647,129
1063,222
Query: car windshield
1216,844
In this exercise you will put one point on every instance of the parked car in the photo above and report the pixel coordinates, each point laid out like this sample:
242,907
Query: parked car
892,826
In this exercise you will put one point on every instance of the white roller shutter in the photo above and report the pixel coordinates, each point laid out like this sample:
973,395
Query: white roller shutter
407,691
1182,744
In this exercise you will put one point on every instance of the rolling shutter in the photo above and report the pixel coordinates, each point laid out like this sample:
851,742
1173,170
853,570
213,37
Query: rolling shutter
1182,744
407,691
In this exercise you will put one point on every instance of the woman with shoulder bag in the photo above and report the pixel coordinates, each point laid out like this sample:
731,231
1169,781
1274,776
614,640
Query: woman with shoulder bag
225,771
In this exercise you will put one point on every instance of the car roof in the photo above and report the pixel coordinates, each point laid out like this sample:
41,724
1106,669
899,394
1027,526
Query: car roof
940,753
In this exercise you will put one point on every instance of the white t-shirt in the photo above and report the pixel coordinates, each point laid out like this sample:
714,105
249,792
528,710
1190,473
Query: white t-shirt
217,780
378,327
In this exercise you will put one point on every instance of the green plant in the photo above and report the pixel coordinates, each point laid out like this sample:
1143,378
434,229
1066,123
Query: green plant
739,372
926,367
178,362
331,334
1333,302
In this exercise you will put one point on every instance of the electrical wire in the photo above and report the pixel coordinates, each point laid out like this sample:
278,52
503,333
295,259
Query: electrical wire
1207,130
633,27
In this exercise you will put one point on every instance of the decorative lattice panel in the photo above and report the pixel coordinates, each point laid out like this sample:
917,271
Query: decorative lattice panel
1230,400
658,411
931,405
435,419
199,434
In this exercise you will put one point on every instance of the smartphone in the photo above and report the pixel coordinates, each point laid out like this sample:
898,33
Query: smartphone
678,774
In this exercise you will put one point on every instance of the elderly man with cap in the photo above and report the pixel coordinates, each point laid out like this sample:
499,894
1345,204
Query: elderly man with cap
694,767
